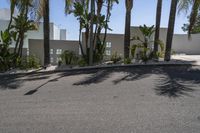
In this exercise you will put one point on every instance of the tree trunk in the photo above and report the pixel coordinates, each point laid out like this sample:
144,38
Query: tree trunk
46,33
170,30
157,30
19,53
127,34
98,27
80,44
91,32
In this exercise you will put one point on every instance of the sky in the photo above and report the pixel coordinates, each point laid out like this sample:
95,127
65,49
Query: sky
144,12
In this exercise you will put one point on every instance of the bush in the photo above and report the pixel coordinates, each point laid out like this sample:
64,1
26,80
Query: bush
69,57
6,58
82,62
28,62
127,61
59,63
115,58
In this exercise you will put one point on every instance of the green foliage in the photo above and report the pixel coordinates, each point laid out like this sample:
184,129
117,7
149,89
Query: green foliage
59,63
173,52
99,52
144,47
28,62
115,57
81,10
127,61
147,31
82,62
196,27
68,57
21,23
6,58
133,50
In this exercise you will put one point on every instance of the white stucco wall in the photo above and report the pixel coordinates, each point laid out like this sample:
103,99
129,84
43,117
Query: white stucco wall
181,44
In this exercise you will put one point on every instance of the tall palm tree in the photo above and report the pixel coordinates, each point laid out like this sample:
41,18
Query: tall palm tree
170,30
46,32
157,29
42,7
129,6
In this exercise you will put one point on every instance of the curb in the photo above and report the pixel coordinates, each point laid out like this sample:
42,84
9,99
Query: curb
101,67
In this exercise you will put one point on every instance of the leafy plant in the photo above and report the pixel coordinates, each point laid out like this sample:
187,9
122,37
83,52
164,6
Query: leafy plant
82,62
115,57
28,62
144,47
99,52
6,58
68,57
87,19
127,61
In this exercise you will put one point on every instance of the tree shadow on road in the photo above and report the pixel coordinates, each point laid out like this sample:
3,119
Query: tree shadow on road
95,78
174,83
133,75
10,82
16,81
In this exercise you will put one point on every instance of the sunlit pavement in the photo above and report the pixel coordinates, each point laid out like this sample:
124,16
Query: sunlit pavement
131,100
192,58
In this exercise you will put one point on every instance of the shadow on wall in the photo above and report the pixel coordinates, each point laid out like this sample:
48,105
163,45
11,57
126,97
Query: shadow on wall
171,82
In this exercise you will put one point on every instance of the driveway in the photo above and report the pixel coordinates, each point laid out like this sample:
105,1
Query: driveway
120,100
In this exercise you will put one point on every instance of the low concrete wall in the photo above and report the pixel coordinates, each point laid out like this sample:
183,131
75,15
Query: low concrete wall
36,48
181,44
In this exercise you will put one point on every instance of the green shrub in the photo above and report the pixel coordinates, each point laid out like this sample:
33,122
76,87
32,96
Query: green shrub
127,61
28,62
82,62
69,57
173,52
115,58
6,58
59,62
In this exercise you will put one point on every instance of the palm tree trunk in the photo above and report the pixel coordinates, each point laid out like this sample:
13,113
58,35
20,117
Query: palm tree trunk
98,27
80,43
157,30
127,35
91,32
46,33
170,30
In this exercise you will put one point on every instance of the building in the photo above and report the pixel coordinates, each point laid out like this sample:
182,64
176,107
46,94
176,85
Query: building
55,32
36,48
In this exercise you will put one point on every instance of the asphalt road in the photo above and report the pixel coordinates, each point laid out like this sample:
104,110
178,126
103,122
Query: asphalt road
125,100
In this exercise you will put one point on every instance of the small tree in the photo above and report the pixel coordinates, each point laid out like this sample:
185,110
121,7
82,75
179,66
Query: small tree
81,11
145,45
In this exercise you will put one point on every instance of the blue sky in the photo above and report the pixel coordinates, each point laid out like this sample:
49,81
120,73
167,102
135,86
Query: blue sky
144,12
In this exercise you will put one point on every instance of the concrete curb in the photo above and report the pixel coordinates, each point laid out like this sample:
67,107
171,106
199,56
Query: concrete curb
101,67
